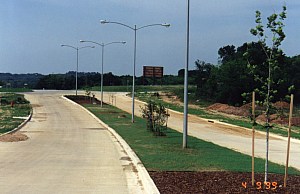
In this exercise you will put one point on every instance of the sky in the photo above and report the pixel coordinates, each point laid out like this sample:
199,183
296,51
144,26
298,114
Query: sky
31,32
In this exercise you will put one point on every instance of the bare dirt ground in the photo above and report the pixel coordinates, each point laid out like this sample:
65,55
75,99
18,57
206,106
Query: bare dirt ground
14,137
175,100
221,182
244,111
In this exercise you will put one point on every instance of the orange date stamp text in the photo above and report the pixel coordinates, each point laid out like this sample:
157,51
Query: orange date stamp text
262,185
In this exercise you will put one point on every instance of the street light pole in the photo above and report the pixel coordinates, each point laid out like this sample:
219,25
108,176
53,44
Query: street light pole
186,71
135,29
101,85
102,61
76,48
77,70
133,77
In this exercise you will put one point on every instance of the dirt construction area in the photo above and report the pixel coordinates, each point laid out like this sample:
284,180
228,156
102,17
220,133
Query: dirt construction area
14,137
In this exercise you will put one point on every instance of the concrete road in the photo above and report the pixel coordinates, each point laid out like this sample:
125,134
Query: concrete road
67,152
236,138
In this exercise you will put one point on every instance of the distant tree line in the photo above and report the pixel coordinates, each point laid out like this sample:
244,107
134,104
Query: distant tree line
227,81
67,81
8,80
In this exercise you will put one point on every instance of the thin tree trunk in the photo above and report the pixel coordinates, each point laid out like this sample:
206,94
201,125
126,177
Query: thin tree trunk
268,124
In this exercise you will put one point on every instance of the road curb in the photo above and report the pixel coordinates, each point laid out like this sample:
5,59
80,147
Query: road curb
20,126
148,184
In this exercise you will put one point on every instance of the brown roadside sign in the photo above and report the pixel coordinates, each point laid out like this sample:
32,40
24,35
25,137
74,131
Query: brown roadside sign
153,71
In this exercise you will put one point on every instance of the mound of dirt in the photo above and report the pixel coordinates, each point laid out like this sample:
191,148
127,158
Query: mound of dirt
14,137
296,121
225,108
244,111
281,105
285,121
274,118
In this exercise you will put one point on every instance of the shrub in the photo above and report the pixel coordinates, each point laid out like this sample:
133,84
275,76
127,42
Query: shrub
156,116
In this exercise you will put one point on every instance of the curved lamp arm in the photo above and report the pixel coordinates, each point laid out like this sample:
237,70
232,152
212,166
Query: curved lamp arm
107,22
165,25
102,44
69,46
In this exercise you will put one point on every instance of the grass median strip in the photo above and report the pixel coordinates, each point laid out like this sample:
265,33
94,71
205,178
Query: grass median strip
166,154
9,114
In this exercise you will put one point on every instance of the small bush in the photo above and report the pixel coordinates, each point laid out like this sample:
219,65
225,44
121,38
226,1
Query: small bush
156,116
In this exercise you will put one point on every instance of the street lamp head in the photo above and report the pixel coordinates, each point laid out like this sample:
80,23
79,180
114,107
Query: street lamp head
62,45
103,22
81,40
123,42
166,25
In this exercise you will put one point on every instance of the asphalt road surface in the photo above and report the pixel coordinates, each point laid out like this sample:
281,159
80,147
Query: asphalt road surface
67,152
233,137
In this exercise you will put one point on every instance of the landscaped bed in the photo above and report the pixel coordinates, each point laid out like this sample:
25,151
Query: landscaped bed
202,168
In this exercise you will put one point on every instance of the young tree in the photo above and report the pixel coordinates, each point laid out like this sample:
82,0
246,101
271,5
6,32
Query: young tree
264,73
157,117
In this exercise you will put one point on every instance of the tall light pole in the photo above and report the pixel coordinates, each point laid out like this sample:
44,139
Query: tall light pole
135,29
77,48
186,71
102,45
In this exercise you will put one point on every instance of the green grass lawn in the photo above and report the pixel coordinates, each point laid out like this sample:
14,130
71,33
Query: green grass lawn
21,108
166,153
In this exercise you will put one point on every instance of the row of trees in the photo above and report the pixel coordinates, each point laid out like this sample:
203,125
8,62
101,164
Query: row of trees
67,81
257,66
229,81
19,80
